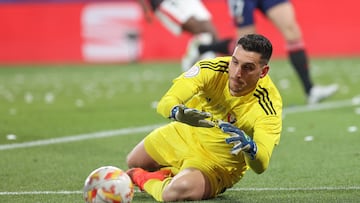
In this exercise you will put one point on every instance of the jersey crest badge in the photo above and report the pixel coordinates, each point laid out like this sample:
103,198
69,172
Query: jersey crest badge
231,118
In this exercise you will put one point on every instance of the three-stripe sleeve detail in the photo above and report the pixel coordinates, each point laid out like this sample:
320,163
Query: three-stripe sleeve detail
263,98
221,66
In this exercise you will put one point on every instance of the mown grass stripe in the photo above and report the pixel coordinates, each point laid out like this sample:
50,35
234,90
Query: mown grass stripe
63,192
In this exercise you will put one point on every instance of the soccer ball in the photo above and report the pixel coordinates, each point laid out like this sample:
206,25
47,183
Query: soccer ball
108,184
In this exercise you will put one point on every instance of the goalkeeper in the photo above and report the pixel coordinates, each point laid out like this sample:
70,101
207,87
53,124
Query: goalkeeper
226,116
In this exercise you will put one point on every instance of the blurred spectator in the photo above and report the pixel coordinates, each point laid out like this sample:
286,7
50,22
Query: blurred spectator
184,15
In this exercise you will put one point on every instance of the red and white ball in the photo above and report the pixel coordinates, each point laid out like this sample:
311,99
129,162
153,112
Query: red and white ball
108,184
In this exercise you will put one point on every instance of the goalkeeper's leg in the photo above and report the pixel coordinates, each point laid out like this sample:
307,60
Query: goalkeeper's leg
151,182
158,150
188,184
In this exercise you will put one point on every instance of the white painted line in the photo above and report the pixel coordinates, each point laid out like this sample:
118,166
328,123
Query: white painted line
321,106
126,131
230,189
297,189
80,137
41,193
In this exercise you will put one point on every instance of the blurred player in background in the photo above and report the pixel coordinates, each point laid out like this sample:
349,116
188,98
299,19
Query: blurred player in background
184,15
281,14
189,158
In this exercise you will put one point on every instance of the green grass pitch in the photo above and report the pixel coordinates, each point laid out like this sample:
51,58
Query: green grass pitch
58,123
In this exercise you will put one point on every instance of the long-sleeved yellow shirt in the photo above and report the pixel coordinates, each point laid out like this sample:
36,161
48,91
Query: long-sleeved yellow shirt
258,114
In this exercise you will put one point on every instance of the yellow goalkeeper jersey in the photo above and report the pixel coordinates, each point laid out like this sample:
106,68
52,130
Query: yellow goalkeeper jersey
205,87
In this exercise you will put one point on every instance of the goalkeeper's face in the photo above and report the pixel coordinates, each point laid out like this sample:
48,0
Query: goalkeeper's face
245,70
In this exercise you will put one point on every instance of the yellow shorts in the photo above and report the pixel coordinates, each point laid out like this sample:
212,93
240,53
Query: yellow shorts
181,146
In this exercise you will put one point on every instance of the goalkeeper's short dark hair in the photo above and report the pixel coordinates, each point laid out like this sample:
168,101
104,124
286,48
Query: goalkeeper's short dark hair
257,43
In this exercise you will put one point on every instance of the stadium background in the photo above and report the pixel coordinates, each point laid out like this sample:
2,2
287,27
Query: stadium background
88,31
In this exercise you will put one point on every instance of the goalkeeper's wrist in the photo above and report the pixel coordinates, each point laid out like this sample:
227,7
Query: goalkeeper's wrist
173,112
251,153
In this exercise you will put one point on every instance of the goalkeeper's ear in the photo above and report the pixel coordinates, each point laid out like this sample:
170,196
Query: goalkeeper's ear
264,71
